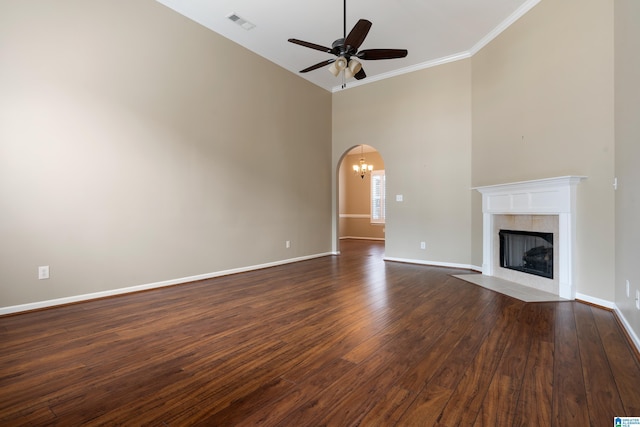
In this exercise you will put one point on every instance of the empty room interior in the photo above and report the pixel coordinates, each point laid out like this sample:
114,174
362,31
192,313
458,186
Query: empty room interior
184,239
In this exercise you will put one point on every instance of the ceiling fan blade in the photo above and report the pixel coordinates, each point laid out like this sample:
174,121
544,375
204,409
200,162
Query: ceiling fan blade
372,54
318,65
358,34
311,45
360,74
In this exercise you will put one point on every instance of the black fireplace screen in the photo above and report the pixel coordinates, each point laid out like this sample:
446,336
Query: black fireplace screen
527,251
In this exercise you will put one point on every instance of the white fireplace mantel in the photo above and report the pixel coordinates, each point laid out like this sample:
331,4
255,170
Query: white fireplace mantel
550,196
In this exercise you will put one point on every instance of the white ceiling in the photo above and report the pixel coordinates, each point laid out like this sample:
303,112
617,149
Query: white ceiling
433,31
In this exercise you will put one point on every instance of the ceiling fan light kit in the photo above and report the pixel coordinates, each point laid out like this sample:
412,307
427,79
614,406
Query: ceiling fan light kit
346,51
354,67
339,65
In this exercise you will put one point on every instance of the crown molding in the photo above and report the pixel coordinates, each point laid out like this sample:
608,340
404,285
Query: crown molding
526,7
400,71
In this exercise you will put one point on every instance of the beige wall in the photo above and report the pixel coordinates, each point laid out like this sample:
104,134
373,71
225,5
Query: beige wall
355,199
421,125
131,152
627,110
543,107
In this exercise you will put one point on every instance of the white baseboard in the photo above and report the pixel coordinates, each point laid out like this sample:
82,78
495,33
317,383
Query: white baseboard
361,238
595,301
432,263
113,292
628,328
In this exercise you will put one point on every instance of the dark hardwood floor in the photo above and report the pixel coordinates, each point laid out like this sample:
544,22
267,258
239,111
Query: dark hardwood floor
341,341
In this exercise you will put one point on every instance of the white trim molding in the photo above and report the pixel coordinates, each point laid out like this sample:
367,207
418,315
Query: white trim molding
550,196
432,263
628,328
595,301
526,7
382,239
424,65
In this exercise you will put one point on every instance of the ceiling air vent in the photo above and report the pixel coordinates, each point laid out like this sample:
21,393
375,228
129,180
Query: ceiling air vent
241,21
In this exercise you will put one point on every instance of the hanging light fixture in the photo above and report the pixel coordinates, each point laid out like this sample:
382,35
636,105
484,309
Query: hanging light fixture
339,65
353,68
350,67
362,168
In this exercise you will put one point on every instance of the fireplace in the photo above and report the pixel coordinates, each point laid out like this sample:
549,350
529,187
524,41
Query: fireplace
527,251
544,208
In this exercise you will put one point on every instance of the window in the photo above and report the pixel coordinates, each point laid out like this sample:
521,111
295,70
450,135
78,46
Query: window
377,197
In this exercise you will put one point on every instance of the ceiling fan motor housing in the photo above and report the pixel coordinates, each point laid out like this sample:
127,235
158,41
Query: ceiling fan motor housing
338,48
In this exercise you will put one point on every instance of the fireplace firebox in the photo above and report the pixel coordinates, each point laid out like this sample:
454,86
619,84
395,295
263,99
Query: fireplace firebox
527,251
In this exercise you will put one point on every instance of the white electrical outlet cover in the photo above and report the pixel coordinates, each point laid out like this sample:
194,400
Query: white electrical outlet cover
43,272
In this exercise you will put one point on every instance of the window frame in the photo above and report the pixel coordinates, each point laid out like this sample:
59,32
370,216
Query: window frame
378,217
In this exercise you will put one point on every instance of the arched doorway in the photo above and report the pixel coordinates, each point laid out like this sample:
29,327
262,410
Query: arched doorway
361,196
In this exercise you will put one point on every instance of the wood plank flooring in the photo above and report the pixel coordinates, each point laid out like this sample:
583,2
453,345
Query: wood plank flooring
342,341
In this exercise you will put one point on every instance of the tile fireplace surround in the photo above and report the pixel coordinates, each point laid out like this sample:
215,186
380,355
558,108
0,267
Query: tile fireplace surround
540,205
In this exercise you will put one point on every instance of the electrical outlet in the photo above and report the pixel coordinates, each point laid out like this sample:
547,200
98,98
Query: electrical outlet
287,244
43,272
423,245
628,290
638,299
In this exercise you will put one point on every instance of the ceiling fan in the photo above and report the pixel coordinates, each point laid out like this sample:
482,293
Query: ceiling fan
346,51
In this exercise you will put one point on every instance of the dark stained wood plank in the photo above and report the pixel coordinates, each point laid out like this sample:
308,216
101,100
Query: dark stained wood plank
389,409
603,401
499,407
622,360
454,330
569,402
425,410
428,303
405,349
301,396
340,400
338,340
536,391
466,400
266,406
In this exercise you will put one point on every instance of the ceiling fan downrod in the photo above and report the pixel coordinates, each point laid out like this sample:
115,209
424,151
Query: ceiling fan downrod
344,20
